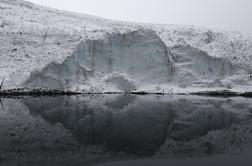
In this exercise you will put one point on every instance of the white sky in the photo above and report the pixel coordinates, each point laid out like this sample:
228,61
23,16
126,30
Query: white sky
221,14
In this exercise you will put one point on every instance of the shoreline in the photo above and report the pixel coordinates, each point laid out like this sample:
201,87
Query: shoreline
54,92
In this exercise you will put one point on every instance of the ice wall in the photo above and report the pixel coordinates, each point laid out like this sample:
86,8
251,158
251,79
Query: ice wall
131,61
120,62
194,66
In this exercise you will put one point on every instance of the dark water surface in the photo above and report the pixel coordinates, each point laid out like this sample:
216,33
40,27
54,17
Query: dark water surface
96,129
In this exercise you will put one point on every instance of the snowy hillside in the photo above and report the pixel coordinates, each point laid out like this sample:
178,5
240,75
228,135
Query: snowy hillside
47,48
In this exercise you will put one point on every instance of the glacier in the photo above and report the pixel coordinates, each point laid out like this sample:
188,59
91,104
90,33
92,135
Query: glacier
47,48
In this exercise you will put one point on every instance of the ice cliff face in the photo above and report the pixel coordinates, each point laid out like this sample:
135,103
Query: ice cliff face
47,48
118,62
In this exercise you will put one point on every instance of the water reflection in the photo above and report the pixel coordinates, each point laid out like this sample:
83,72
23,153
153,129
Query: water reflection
137,125
146,126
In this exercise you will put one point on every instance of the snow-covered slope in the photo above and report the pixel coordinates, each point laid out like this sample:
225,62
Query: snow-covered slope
47,48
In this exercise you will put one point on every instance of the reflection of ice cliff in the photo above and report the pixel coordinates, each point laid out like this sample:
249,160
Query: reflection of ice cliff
145,125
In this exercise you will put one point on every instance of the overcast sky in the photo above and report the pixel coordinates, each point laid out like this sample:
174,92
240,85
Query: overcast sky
221,14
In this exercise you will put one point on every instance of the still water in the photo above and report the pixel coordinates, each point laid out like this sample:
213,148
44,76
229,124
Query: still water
96,129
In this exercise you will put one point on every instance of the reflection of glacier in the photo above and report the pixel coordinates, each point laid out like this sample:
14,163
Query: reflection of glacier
145,125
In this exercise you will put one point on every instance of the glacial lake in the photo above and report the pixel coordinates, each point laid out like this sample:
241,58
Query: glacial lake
100,129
